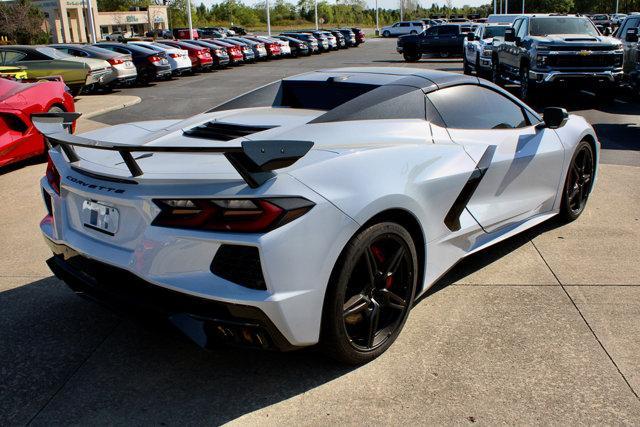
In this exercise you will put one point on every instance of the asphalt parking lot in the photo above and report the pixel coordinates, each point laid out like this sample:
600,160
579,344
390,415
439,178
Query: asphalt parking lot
541,329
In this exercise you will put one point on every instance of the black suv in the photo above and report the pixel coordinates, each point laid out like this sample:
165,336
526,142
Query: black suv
542,50
443,39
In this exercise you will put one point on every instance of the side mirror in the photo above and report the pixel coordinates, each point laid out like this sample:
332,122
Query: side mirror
471,37
632,35
555,117
510,35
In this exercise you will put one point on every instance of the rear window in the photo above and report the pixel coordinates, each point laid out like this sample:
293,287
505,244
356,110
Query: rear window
320,95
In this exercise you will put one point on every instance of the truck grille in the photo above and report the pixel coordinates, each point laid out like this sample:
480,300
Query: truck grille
577,61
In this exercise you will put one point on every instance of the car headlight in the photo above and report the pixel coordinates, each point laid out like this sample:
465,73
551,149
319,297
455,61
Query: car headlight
541,60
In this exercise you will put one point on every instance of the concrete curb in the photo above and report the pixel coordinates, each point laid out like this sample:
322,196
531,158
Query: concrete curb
112,107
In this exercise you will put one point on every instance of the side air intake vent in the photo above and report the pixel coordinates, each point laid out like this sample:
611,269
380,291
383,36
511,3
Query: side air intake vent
223,131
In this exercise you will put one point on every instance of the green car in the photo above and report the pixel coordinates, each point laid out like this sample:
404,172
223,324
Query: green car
39,62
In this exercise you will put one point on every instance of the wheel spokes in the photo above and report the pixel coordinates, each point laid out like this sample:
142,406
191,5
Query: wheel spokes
355,305
392,300
394,263
372,266
374,316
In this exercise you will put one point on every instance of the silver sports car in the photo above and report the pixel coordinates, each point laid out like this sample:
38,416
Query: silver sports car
311,210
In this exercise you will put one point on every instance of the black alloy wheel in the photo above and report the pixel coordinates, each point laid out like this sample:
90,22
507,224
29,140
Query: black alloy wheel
371,294
578,183
527,87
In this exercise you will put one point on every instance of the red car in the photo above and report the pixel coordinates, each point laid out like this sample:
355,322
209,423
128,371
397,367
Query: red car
18,138
273,47
200,57
234,52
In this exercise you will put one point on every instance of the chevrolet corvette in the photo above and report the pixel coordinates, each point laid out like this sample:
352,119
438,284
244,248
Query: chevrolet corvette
19,140
310,211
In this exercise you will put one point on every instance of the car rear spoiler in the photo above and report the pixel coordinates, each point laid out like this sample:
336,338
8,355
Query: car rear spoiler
254,160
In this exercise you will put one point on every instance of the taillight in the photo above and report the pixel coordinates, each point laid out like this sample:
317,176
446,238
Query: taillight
115,61
53,177
154,58
234,215
174,55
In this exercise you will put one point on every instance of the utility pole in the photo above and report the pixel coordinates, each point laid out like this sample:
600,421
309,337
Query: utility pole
377,20
402,10
617,2
506,6
495,7
316,6
523,6
189,19
92,30
268,18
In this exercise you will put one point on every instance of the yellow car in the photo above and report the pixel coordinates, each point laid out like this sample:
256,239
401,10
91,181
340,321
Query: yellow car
38,62
13,72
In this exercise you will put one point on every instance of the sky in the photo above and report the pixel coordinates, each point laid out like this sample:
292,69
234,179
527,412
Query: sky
385,4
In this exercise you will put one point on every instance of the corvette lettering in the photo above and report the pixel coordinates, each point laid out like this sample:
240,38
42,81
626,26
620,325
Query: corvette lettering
94,186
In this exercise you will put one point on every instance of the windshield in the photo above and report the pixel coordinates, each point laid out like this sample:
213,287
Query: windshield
53,53
568,25
491,32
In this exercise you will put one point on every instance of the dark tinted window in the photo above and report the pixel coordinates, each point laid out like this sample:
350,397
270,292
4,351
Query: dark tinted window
448,29
320,95
494,32
629,23
562,25
475,107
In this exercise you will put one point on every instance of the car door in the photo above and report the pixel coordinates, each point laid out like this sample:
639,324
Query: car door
507,48
470,48
428,40
523,165
449,39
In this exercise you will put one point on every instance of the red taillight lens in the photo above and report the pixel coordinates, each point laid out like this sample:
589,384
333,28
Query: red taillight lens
234,215
115,61
154,58
174,55
53,177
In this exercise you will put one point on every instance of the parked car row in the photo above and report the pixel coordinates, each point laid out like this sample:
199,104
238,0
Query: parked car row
117,63
537,51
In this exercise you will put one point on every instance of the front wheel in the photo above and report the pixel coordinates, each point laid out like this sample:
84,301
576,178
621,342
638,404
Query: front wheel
465,65
444,54
527,86
495,71
412,56
386,33
578,183
370,294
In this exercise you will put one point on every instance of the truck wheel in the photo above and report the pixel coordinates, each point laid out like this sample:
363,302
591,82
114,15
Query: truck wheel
479,72
444,54
527,86
465,65
386,33
412,56
495,71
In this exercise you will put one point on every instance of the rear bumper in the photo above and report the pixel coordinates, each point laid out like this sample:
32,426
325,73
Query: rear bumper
209,323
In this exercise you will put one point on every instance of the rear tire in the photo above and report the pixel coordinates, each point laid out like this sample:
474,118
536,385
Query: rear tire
370,294
527,86
578,183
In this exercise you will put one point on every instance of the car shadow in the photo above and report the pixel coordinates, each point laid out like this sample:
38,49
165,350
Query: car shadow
56,343
482,259
36,160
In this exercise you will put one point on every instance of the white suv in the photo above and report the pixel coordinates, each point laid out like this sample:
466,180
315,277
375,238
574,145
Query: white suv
403,27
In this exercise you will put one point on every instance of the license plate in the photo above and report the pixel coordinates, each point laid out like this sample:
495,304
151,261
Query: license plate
128,64
100,217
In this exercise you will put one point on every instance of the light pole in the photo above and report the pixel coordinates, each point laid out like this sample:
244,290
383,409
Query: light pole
189,19
402,10
377,20
523,6
495,7
506,6
268,18
617,1
316,8
92,30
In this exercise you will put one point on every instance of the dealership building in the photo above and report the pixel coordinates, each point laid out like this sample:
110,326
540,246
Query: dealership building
68,22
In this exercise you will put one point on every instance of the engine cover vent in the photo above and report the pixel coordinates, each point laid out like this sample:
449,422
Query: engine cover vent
223,131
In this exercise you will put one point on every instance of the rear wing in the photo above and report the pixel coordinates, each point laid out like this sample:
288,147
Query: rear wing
255,161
